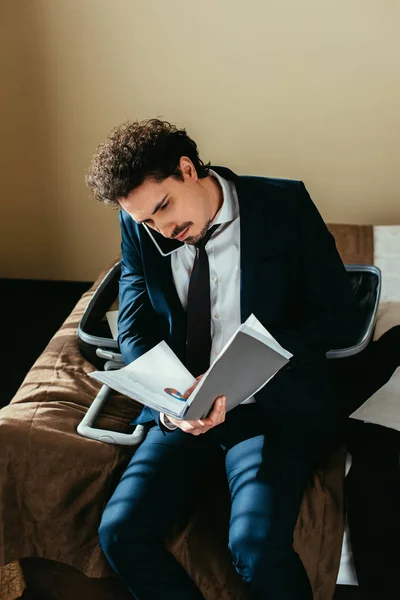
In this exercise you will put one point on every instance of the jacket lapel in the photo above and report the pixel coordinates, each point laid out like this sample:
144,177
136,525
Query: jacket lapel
250,234
163,292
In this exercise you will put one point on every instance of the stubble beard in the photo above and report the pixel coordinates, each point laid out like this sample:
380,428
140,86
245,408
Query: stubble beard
195,239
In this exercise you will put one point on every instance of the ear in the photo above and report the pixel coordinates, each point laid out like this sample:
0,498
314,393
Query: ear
187,168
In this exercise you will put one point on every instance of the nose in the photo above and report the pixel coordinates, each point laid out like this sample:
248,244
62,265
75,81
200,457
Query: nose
166,230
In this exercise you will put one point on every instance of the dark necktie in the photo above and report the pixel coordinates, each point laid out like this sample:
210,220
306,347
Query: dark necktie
198,311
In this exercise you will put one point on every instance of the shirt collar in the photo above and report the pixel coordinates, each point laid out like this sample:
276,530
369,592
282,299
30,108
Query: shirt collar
227,211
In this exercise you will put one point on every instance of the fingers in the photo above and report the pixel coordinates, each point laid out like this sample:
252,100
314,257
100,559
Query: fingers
216,417
218,412
193,387
190,390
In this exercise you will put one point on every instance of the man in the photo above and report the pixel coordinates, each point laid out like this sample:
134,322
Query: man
202,249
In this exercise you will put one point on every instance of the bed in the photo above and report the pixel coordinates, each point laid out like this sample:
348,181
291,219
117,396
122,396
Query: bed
54,484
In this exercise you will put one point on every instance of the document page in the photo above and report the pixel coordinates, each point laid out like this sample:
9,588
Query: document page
157,379
383,408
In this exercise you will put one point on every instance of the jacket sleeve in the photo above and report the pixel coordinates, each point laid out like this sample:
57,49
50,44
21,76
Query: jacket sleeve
328,303
136,319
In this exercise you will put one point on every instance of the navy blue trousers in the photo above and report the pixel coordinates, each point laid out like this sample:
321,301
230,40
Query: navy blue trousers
268,459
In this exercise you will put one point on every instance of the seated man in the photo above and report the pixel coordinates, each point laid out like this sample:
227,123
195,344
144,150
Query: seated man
202,249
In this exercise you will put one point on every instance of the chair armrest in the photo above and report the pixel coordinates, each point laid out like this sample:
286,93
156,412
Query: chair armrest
86,429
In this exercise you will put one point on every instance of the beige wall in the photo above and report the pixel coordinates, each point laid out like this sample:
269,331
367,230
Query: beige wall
301,89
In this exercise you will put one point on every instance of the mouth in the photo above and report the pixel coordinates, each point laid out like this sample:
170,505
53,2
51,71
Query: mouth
182,235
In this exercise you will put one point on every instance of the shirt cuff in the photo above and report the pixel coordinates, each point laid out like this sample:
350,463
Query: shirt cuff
166,422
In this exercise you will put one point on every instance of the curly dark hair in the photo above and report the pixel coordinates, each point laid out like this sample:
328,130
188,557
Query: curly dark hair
135,151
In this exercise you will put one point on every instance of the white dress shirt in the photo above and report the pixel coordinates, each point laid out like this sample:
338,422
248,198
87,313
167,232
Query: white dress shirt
223,251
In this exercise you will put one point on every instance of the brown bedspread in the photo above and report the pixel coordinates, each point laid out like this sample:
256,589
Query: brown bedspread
54,484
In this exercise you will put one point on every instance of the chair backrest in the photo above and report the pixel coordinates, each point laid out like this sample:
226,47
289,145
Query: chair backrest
366,281
95,336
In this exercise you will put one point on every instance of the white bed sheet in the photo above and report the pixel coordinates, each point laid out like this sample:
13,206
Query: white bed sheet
347,572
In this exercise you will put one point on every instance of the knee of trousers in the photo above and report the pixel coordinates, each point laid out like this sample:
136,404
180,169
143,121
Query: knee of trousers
257,560
258,564
117,534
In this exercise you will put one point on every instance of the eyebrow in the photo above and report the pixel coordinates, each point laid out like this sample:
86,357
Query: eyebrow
156,208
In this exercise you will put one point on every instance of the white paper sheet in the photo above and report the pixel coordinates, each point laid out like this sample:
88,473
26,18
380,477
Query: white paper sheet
383,407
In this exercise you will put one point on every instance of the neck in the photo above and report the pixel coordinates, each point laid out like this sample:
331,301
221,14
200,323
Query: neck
215,195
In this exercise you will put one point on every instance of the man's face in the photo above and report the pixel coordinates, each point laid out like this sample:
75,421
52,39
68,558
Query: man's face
177,209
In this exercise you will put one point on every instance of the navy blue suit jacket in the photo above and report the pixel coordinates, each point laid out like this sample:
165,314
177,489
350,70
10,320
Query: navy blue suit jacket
292,277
